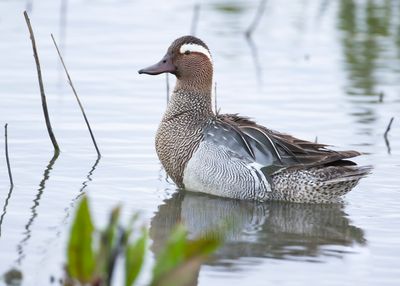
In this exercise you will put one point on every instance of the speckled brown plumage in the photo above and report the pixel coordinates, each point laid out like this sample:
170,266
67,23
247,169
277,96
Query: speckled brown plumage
232,156
181,130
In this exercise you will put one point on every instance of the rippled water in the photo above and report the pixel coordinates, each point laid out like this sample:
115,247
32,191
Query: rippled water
313,68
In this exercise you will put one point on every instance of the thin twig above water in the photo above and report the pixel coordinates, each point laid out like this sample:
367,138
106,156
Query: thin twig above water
256,61
388,127
42,93
256,19
77,98
385,135
381,96
249,32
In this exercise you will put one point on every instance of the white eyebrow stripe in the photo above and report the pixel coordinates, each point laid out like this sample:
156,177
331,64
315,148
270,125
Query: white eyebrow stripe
195,48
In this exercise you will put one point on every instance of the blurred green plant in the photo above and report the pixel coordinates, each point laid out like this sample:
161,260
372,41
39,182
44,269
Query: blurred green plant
92,254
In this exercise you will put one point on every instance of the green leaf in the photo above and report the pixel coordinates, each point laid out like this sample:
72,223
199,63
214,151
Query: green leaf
201,247
184,274
81,263
180,261
108,248
134,257
172,254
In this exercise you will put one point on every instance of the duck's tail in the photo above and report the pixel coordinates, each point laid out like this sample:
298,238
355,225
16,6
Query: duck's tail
318,185
349,173
343,180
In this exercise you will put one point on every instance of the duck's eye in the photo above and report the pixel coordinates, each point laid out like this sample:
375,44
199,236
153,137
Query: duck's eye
187,52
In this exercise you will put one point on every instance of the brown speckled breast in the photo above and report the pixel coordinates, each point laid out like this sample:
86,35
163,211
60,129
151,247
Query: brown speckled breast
181,130
176,141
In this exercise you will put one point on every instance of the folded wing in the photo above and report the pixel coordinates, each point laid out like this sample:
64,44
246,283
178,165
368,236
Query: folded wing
269,148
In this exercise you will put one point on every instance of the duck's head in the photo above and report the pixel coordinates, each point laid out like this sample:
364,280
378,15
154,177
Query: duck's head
188,58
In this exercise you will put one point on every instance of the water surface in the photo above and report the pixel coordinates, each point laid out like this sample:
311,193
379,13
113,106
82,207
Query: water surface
312,69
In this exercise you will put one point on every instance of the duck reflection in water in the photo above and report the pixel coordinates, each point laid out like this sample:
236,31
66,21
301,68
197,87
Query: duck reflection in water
276,230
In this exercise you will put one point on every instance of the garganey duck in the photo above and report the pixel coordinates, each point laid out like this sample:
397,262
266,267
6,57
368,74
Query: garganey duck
232,156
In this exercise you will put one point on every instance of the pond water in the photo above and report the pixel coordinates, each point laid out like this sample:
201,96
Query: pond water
325,69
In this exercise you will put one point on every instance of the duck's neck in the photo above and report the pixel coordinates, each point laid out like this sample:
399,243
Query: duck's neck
189,101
